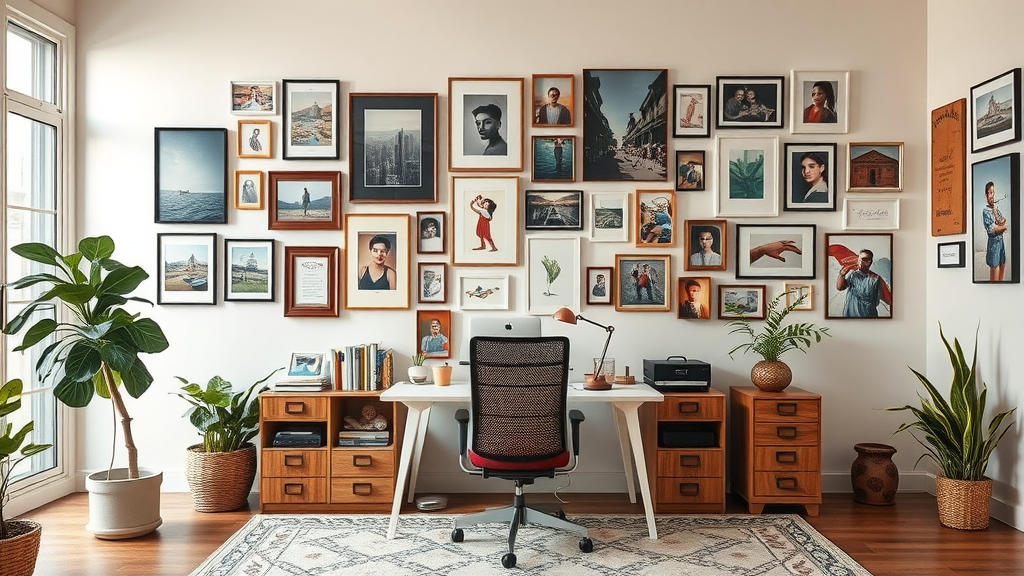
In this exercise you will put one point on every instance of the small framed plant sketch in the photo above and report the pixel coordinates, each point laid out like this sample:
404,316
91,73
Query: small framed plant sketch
952,254
797,290
254,138
871,214
599,284
551,278
249,189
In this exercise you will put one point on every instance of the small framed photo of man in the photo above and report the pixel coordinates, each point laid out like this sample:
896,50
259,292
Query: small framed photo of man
432,231
553,100
694,298
485,124
433,333
599,284
690,170
706,244
860,274
810,177
433,282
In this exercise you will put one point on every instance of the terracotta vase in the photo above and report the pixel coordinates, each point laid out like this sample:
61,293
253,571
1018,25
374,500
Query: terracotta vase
873,474
771,375
442,375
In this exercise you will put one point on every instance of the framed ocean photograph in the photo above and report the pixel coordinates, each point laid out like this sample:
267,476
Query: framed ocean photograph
995,111
310,119
554,209
553,159
191,175
625,125
186,268
248,270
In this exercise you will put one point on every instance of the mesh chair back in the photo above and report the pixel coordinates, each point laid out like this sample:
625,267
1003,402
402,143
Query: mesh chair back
518,390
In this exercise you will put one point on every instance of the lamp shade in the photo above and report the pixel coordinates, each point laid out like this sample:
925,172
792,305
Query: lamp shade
565,315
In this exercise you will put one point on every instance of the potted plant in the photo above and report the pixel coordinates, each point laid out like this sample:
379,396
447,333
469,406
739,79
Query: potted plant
418,373
220,470
775,338
95,347
957,440
19,539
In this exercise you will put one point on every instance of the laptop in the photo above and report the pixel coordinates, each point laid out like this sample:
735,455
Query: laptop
510,326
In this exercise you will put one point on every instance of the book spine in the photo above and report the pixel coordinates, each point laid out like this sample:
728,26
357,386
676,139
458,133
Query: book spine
372,367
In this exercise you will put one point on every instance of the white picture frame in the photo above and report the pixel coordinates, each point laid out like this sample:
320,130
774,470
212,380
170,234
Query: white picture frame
466,150
801,86
546,294
503,225
608,217
756,195
871,214
254,97
483,291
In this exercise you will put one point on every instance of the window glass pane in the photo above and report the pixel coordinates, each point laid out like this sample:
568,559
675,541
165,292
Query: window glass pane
31,64
40,408
31,163
27,226
23,364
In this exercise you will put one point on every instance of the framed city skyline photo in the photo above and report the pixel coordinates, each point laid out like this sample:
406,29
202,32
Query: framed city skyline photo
254,139
810,177
485,124
625,125
609,217
485,221
554,159
191,183
771,251
304,200
553,102
995,202
554,209
820,102
310,118
690,171
691,110
874,166
377,261
747,176
865,264
248,270
643,283
750,102
995,111
254,97
186,268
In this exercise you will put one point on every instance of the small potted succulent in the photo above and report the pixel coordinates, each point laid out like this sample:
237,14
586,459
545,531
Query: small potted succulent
418,373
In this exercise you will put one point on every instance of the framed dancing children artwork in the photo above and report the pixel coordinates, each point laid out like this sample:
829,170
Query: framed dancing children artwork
485,124
821,102
310,120
995,202
191,175
377,261
625,125
485,221
691,110
643,283
859,276
750,102
995,111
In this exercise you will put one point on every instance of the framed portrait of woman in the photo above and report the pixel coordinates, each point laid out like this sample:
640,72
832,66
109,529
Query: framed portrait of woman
485,221
810,177
626,139
377,261
821,102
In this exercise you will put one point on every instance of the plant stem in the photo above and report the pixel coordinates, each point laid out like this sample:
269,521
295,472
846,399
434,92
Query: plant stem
126,421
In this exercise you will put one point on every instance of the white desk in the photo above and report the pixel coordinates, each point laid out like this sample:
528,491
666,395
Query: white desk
626,401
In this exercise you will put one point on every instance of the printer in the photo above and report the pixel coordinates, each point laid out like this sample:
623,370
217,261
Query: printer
678,374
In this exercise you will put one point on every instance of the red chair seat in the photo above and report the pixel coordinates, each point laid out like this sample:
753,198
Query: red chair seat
553,462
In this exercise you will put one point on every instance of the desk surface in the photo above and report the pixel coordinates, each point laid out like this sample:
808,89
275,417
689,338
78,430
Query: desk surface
459,391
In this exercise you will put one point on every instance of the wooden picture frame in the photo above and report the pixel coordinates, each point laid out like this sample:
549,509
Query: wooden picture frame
311,281
310,120
608,217
473,196
254,97
874,166
694,301
553,109
691,110
951,254
553,209
249,270
437,346
552,280
690,171
810,177
871,213
949,169
697,255
750,102
995,237
655,212
485,124
795,291
870,296
191,182
483,291
377,242
625,125
393,147
553,159
186,266
747,177
433,282
776,251
255,138
249,189
632,293
750,298
820,102
995,111
304,200
432,232
600,285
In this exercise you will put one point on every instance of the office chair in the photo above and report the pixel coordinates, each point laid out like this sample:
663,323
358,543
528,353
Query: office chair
518,410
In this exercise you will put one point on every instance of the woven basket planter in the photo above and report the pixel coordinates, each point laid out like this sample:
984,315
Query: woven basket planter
19,553
220,481
963,504
771,376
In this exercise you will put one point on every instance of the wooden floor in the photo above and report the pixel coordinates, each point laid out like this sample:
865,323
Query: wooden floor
905,539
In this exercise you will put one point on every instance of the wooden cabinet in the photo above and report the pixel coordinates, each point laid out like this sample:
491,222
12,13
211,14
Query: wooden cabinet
326,478
685,451
776,447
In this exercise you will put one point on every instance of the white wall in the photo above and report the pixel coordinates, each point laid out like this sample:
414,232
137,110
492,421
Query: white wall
146,64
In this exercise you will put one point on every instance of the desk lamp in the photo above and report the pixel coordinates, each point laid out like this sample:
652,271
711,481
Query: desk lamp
598,381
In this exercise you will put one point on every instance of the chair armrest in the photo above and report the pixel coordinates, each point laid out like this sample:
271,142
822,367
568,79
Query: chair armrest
575,417
462,416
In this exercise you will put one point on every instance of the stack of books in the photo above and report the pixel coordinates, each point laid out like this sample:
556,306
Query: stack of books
354,370
303,383
364,437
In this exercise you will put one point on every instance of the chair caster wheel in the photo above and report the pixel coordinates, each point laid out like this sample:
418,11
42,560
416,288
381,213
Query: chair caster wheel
458,535
508,560
586,545
560,514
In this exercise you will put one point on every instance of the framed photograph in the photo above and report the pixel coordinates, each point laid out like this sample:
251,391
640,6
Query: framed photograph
553,159
871,214
186,268
821,102
625,125
483,291
859,276
553,100
802,292
554,209
248,270
311,281
307,365
191,175
249,189
254,97
690,171
642,283
747,177
750,102
707,244
691,110
609,217
694,298
995,198
995,111
949,169
771,251
433,234
485,124
951,255
741,301
433,333
393,147
377,261
310,118
600,285
433,278
304,200
254,138
485,221
874,166
552,280
655,216
810,177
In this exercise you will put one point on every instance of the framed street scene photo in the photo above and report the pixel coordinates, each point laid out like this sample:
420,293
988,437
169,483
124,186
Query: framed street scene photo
485,221
995,201
691,110
483,291
694,301
254,97
800,295
254,138
433,333
859,276
433,279
552,274
249,189
554,209
995,111
186,269
433,235
871,213
741,301
750,102
951,254
377,261
874,166
553,159
609,217
821,102
747,177
625,125
706,244
600,284
485,124
304,200
553,100
655,217
393,147
310,120
311,281
191,175
643,283
770,251
689,170
810,177
248,270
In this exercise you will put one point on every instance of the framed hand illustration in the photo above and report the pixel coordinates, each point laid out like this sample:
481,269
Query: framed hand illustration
191,184
377,261
859,276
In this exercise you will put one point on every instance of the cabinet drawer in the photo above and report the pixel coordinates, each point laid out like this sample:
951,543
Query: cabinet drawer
692,408
791,484
362,462
785,410
293,490
294,463
293,408
797,458
786,434
362,490
691,490
691,463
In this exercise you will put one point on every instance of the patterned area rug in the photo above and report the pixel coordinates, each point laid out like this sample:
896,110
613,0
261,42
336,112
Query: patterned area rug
765,545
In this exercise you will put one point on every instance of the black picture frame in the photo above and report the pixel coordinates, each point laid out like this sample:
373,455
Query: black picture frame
393,147
1004,174
553,209
191,176
691,110
798,192
309,131
249,271
770,108
186,267
951,254
990,102
773,251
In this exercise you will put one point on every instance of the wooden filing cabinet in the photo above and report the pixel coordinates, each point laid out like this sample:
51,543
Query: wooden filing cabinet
776,447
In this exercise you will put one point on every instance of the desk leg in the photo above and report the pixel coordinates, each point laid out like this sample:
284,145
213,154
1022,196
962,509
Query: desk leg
627,459
418,453
630,411
409,442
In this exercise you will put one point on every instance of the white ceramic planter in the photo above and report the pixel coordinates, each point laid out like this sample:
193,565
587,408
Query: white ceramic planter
120,508
419,374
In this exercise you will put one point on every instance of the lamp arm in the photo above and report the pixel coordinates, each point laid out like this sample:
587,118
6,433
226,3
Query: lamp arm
604,351
608,328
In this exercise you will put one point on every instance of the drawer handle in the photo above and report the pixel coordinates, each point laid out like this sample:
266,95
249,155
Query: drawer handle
294,407
689,407
362,488
785,408
785,457
689,488
786,432
362,460
293,489
689,461
293,459
786,483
